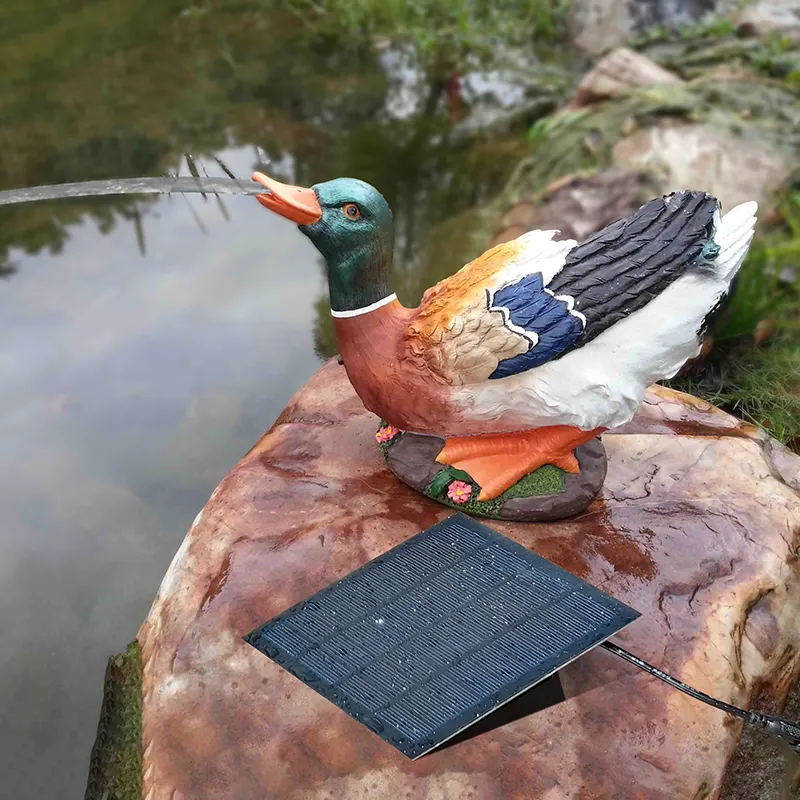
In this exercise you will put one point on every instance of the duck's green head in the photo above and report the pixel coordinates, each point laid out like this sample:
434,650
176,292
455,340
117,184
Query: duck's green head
350,223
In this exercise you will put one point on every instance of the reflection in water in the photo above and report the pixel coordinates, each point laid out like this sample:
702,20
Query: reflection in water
148,342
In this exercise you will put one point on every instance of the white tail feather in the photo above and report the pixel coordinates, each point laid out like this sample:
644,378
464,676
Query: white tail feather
733,235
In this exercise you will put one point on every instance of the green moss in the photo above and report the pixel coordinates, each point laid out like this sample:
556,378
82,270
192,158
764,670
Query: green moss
115,765
548,479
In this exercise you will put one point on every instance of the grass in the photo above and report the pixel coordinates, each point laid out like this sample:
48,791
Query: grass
115,765
759,384
545,480
757,381
768,286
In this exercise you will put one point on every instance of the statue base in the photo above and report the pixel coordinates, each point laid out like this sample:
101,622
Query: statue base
549,493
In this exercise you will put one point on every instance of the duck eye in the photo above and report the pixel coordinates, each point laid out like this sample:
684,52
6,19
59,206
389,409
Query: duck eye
351,210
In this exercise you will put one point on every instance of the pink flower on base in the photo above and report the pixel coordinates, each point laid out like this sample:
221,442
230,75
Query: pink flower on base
459,492
386,434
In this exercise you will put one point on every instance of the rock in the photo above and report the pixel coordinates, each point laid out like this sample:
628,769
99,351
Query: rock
778,17
577,206
600,25
698,156
694,528
413,459
617,73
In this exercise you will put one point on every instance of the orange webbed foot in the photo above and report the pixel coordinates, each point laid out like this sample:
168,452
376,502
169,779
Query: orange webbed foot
497,461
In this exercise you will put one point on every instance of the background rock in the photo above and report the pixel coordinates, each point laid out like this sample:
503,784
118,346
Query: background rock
694,529
684,156
600,25
578,205
780,17
618,72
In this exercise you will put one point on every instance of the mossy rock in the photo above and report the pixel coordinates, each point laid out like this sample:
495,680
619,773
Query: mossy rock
548,493
115,765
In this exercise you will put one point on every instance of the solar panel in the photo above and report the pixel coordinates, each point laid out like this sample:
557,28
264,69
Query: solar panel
438,632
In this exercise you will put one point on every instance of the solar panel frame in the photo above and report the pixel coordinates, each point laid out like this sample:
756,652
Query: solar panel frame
536,619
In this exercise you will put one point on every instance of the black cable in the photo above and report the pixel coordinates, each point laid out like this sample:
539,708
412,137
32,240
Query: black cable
776,726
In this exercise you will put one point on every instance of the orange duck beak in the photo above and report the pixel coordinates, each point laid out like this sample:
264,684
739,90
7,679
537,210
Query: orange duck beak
293,202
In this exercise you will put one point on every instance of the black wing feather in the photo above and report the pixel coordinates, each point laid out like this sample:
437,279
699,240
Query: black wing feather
620,269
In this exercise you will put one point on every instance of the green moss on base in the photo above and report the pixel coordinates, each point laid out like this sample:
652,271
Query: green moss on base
115,766
548,479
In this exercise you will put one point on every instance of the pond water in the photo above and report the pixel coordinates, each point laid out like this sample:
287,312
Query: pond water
148,343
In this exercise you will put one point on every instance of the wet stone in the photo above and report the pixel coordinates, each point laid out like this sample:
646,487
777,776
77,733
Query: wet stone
696,528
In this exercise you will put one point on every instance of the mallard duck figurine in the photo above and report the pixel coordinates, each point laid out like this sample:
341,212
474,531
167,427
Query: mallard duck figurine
536,346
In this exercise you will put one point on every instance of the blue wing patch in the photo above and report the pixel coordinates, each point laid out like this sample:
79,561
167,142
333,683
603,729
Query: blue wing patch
549,322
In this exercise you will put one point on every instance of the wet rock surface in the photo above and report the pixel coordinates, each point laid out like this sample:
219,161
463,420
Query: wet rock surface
695,528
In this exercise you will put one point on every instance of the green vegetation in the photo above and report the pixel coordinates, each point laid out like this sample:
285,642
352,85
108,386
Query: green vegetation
754,369
582,140
115,767
691,51
438,35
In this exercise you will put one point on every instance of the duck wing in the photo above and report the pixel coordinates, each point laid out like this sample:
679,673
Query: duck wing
458,334
623,267
532,301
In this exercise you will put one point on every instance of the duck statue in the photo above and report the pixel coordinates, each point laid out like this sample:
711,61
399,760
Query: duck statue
535,347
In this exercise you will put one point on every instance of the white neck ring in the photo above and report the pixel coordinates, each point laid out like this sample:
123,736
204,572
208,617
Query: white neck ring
357,312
